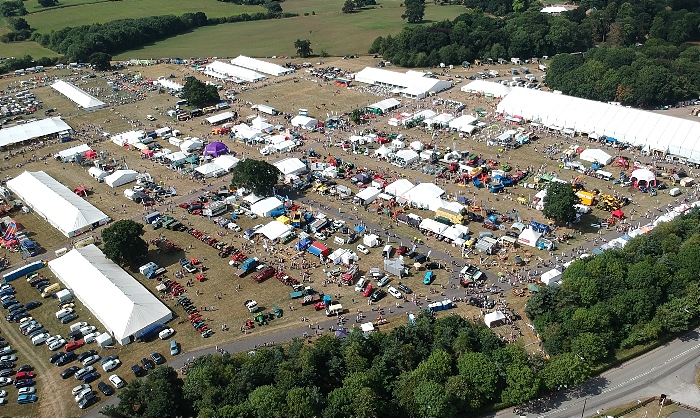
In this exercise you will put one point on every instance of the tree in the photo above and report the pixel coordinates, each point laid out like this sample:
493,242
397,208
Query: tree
559,202
19,23
415,10
199,94
123,243
480,377
100,61
433,401
12,8
521,384
258,176
48,3
273,7
567,369
348,6
356,116
303,48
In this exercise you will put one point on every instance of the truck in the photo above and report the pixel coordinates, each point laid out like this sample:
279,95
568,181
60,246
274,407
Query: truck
247,266
277,212
215,208
151,332
28,246
151,217
318,224
449,217
336,309
264,274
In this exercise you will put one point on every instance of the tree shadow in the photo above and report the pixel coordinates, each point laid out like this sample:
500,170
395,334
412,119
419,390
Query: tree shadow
693,335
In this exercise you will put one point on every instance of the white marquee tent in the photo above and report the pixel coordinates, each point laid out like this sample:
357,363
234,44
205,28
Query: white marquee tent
289,166
32,130
596,156
425,195
529,237
367,195
487,88
385,105
78,96
636,127
220,118
63,209
411,84
226,162
70,153
463,123
123,305
265,206
274,230
260,66
128,138
304,122
234,72
169,84
210,170
120,178
494,318
399,187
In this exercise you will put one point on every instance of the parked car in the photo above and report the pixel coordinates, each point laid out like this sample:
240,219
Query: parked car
174,349
83,372
90,360
147,364
54,357
90,338
117,381
26,391
69,372
25,368
106,389
91,377
404,288
377,295
393,292
104,360
137,370
57,344
6,372
74,345
83,393
86,354
157,358
428,278
24,375
166,333
9,357
25,399
32,305
52,339
24,383
111,365
383,281
4,381
361,248
76,390
65,358
69,318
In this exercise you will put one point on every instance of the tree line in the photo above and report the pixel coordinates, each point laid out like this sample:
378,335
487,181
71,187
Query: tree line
436,368
623,298
667,26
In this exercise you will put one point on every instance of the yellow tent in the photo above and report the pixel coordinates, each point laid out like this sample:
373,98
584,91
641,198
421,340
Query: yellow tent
284,220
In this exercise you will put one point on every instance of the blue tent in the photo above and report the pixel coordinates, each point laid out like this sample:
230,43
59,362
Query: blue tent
359,229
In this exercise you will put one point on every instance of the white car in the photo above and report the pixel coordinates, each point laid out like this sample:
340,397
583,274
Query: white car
82,372
57,344
88,329
3,393
26,391
393,292
111,365
90,360
3,401
116,381
77,326
80,388
166,333
361,248
320,236
52,339
9,357
90,338
63,312
5,350
79,397
4,381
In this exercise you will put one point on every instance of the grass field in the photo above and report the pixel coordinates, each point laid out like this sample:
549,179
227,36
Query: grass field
329,30
20,49
83,14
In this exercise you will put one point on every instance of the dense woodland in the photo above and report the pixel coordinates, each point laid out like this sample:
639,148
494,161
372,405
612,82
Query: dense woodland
624,298
449,367
647,59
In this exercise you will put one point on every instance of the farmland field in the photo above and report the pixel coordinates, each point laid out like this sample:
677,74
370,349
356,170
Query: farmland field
20,49
100,12
328,30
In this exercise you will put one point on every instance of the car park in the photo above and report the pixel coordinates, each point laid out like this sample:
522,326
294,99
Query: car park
69,372
111,365
90,360
57,344
117,381
393,292
25,399
90,377
76,390
174,349
65,358
106,389
68,318
157,358
166,333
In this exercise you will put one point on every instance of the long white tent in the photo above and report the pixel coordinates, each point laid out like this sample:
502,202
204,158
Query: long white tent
60,206
412,84
32,130
122,304
78,95
487,88
169,84
651,130
234,72
260,66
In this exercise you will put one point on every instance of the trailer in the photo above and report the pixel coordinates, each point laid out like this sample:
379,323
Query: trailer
151,332
247,266
151,217
215,209
310,299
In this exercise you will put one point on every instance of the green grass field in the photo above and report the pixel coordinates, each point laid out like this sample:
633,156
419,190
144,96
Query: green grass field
20,49
329,30
100,12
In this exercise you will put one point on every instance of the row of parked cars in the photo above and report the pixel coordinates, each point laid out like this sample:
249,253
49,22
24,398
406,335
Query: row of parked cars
24,376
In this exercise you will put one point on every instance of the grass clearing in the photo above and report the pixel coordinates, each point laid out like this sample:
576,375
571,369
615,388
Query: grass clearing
652,409
329,30
100,12
20,49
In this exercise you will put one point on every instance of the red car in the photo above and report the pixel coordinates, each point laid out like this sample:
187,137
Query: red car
74,345
367,291
265,274
402,250
24,375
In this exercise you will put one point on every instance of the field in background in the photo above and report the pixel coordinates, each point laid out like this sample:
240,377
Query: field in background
54,19
20,49
329,30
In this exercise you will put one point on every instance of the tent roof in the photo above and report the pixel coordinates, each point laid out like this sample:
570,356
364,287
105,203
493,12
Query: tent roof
423,192
208,169
121,174
67,153
291,166
529,237
628,125
486,87
463,122
492,317
169,84
368,193
300,120
232,71
596,155
432,225
409,83
407,155
78,96
643,174
399,187
226,162
130,137
221,117
215,148
274,230
260,66
62,208
385,105
38,129
122,304
263,206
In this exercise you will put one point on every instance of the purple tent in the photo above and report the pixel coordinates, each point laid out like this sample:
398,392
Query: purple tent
215,149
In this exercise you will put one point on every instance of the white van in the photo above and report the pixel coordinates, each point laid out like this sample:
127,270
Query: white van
360,284
675,191
336,309
40,339
530,77
386,252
